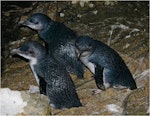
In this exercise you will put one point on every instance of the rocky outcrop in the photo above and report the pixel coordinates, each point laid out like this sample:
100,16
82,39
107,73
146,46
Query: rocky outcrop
23,103
121,25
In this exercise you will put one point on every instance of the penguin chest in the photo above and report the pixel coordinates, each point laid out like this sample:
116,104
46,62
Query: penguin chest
34,73
88,64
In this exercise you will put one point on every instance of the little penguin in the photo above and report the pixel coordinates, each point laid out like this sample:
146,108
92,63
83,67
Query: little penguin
59,39
108,67
59,86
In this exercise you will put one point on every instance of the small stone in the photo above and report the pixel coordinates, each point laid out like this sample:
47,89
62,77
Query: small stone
95,12
79,15
82,3
62,14
91,5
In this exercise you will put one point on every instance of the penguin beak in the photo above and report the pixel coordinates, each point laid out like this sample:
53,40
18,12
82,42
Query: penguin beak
78,53
23,23
24,54
31,25
15,51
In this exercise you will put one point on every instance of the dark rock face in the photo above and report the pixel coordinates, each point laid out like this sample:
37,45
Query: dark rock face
122,25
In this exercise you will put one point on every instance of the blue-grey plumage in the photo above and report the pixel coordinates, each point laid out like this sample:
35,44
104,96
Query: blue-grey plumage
59,39
59,87
108,67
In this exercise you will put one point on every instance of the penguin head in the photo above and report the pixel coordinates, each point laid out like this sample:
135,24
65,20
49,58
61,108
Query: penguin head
31,50
85,45
37,21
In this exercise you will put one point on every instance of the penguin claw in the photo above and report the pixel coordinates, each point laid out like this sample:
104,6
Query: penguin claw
96,91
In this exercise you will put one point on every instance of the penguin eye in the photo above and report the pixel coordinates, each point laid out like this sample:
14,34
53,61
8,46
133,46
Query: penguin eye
90,47
31,52
31,20
36,22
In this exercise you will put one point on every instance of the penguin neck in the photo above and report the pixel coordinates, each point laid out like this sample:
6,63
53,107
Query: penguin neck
54,33
37,60
47,32
86,53
33,62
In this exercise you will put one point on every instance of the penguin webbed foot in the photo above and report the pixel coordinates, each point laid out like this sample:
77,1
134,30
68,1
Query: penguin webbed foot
132,88
42,85
96,91
101,86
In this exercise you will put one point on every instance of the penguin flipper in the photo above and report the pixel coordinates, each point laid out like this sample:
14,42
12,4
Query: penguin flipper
121,80
42,85
77,68
98,76
72,64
